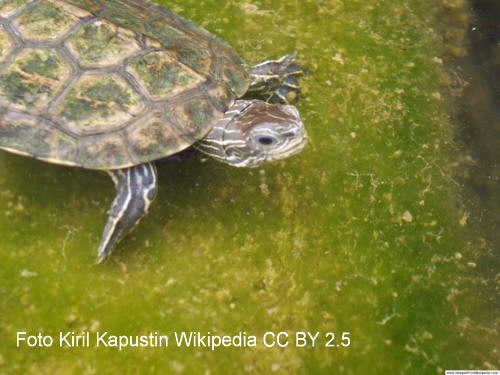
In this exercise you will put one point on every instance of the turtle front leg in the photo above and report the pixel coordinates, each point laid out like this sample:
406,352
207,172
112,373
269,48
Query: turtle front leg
275,80
135,190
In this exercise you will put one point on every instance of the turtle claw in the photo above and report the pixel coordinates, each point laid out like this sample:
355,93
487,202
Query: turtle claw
276,80
101,257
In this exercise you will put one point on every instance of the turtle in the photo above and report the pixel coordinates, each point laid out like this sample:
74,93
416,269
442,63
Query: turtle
117,85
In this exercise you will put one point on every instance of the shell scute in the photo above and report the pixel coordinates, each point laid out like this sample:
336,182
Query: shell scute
46,20
102,43
8,8
236,79
32,79
171,36
191,118
162,75
44,141
17,128
220,96
127,15
99,103
195,58
142,10
151,138
111,148
90,6
191,49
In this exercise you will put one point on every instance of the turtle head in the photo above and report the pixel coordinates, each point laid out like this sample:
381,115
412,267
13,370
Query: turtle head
253,132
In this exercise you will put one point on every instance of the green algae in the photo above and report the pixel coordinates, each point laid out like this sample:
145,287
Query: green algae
364,232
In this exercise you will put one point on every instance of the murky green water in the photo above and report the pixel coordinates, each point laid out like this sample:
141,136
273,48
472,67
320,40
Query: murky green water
364,232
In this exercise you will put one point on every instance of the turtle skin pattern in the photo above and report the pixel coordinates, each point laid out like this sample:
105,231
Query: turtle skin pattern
109,84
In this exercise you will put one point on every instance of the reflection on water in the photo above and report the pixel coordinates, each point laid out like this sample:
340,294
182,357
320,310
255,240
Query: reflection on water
480,112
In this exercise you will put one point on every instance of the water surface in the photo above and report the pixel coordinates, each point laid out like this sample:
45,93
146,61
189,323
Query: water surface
365,232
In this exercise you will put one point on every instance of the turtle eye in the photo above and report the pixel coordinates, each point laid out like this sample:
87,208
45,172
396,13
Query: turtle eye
266,140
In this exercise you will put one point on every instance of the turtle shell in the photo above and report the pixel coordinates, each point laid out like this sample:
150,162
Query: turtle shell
109,84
